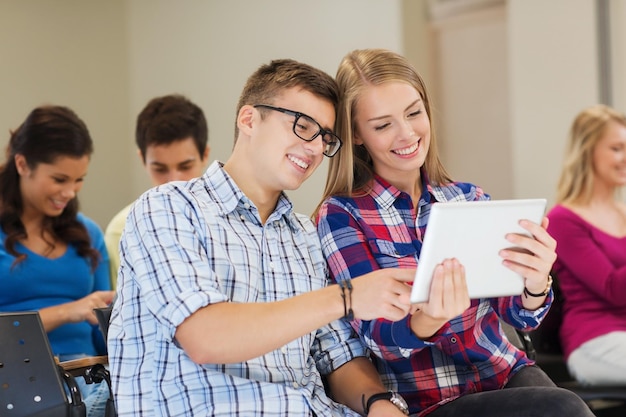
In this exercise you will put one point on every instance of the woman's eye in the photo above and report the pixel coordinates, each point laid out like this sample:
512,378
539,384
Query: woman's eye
415,113
381,127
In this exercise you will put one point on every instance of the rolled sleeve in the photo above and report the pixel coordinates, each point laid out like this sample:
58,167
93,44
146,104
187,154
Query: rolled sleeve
334,346
166,255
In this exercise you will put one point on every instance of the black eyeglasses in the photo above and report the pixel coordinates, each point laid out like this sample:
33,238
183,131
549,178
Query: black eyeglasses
307,129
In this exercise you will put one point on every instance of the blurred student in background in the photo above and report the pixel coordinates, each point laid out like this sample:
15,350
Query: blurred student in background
589,225
171,137
52,258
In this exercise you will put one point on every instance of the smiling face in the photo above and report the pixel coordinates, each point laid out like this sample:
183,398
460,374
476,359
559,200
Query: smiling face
609,156
175,161
48,188
392,124
281,160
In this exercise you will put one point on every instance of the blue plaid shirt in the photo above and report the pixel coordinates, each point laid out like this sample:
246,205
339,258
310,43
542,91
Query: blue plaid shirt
469,354
190,244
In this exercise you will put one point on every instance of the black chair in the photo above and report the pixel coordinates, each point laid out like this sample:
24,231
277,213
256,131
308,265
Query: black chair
546,343
32,382
93,368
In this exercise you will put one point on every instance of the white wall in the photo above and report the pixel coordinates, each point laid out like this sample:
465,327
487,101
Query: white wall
510,78
71,53
617,10
207,49
554,75
107,59
471,98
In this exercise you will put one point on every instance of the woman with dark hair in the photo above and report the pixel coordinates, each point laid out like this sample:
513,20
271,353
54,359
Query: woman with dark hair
53,258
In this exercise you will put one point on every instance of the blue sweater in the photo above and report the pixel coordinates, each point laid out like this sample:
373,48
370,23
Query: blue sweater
39,282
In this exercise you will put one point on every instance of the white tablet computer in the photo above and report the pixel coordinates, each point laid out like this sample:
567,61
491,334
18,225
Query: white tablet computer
474,232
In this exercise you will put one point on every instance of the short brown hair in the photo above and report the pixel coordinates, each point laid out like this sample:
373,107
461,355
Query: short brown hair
269,80
168,119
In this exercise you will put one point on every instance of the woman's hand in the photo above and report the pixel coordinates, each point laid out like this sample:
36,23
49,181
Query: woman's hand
534,261
75,311
82,310
448,298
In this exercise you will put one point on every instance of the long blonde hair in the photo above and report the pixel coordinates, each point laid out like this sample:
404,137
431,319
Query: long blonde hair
577,180
351,170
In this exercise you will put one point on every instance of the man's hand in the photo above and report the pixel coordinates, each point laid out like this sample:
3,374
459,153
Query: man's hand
383,293
384,408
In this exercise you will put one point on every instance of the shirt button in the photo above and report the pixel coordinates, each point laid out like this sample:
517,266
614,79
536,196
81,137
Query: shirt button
453,339
242,217
295,385
272,266
283,349
246,206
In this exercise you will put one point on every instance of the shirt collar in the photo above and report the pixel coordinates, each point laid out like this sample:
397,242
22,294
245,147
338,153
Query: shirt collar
228,196
386,194
434,191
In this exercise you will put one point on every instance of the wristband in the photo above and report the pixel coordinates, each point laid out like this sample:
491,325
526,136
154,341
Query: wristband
393,397
348,314
541,294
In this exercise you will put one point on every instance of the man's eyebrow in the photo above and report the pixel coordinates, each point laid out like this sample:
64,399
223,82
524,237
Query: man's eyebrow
161,164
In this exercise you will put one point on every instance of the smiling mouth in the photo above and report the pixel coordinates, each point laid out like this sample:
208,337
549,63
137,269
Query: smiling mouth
59,204
408,150
301,163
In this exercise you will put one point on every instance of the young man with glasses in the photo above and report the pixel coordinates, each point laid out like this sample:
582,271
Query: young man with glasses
223,305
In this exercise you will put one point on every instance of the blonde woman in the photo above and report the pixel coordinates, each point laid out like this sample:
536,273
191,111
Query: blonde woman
589,224
449,357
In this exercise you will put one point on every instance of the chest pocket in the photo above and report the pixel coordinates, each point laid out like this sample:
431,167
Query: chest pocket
390,254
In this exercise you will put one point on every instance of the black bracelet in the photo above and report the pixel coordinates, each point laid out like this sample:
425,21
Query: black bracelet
542,294
348,314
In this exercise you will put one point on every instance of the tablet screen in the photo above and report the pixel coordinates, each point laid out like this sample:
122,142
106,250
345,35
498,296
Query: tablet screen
474,232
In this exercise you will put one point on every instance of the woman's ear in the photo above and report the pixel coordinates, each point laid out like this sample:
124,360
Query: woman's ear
356,139
21,164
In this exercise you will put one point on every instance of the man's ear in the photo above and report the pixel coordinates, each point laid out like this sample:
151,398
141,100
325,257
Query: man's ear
245,119
141,158
21,164
207,152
